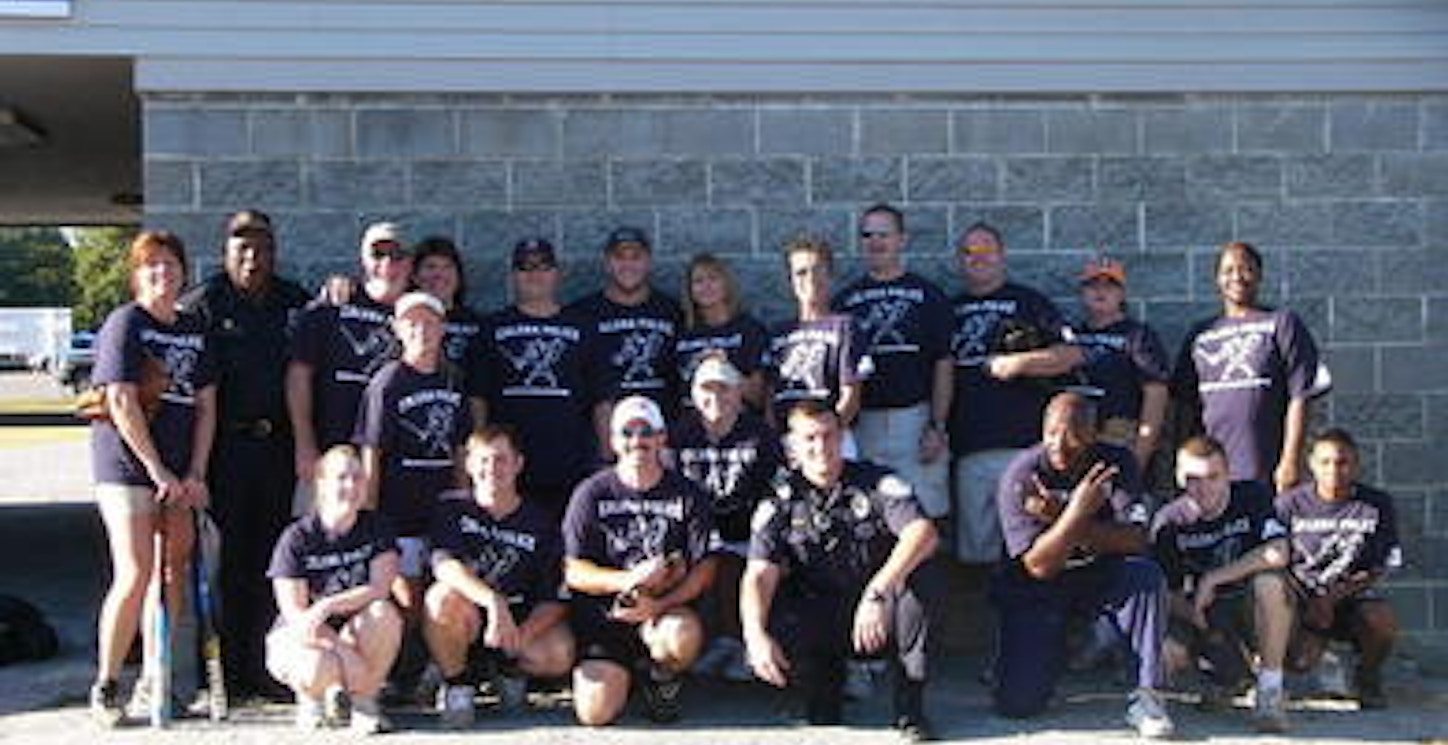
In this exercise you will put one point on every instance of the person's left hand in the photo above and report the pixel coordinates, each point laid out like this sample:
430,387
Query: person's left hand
872,624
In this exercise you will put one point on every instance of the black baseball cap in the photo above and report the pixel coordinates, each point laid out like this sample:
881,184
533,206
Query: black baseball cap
531,252
624,237
249,221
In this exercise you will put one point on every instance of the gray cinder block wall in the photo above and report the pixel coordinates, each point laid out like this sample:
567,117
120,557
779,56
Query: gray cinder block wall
1346,194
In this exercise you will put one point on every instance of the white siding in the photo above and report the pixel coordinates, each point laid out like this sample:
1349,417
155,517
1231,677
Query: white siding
759,45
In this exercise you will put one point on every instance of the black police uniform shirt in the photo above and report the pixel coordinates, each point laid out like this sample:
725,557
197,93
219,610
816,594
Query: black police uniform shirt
634,349
1331,541
906,323
742,339
533,369
331,565
1021,528
346,345
988,413
519,556
462,346
1188,546
831,541
417,420
815,361
615,526
250,338
1120,359
736,470
1243,373
129,336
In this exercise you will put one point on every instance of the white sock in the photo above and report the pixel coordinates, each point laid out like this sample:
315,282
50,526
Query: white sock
1269,678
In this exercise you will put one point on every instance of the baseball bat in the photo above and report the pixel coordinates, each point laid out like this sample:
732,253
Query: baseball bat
161,647
208,544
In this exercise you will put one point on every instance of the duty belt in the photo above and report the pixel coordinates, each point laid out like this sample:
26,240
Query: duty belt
258,428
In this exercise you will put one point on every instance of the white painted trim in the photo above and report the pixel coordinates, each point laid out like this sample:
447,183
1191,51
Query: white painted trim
34,8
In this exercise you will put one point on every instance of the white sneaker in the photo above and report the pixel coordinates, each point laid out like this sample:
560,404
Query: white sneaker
310,714
367,716
334,706
457,706
1147,714
1269,712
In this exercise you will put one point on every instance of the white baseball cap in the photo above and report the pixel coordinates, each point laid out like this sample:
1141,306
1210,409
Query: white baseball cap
418,300
716,369
383,232
636,408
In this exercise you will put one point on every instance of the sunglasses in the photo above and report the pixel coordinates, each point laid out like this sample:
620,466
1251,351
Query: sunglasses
876,233
638,430
534,266
978,250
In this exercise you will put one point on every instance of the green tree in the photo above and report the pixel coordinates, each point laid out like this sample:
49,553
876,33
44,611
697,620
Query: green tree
35,268
101,279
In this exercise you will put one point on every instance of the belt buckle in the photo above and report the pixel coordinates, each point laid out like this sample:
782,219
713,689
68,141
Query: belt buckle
262,428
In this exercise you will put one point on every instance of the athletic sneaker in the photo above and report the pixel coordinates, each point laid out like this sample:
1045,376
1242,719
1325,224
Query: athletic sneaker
334,706
457,706
512,691
311,714
662,693
367,716
105,704
1147,714
1370,693
139,705
1269,713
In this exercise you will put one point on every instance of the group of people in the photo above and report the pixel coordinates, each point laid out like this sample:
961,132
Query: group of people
627,488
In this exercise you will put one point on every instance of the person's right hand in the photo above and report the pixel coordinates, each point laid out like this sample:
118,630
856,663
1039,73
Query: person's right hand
502,632
169,488
1093,489
767,659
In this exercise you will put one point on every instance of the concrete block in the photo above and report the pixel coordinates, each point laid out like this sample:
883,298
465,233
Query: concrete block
592,133
1416,368
1112,132
1113,227
1354,369
1320,272
658,182
1395,223
856,180
685,232
406,133
527,133
1415,270
459,183
1437,406
1437,329
1172,225
1135,179
194,131
1173,318
768,295
572,183
777,182
1377,319
1211,177
1415,174
264,184
952,180
1022,225
807,131
307,133
418,222
306,238
357,184
904,131
1414,463
584,231
1013,132
1152,276
1351,176
494,231
776,227
1038,179
1435,137
1052,274
1284,129
1184,131
1284,224
1410,602
1373,126
1373,416
201,231
169,183
929,229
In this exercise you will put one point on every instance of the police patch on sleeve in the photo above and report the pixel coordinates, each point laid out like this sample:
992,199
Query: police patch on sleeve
860,505
894,487
763,514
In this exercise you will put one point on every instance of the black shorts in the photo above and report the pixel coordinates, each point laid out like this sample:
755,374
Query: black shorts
600,637
1230,613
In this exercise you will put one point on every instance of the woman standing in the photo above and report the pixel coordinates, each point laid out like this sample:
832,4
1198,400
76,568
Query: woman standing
149,454
437,269
714,321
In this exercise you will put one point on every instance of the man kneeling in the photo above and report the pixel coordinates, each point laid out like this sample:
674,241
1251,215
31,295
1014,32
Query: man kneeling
497,559
840,546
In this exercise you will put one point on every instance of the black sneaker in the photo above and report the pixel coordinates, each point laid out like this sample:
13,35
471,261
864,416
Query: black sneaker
915,727
662,695
105,704
910,712
1370,692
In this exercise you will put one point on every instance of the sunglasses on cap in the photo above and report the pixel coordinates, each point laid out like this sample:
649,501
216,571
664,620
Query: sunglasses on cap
638,429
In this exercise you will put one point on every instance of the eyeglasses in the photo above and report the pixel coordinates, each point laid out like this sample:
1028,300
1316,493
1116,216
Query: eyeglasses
638,430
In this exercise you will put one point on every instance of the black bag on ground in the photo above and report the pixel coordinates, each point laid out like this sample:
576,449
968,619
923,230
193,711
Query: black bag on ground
24,634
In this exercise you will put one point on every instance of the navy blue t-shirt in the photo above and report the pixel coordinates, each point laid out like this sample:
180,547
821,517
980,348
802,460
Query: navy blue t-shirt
1120,359
615,526
742,339
815,360
906,323
633,352
736,470
832,541
1188,547
331,565
417,420
1333,540
1241,373
1021,528
537,382
519,556
462,346
988,413
129,336
345,345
